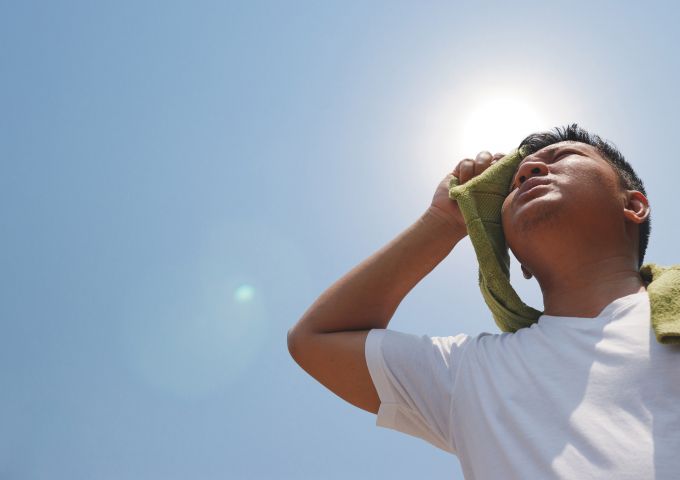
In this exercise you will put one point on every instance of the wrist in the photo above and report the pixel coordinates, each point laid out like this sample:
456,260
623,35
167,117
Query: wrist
444,224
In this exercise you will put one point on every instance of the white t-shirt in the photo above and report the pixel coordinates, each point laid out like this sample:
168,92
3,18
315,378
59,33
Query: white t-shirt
569,397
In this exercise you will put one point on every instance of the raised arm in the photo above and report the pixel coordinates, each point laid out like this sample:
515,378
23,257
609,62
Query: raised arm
328,341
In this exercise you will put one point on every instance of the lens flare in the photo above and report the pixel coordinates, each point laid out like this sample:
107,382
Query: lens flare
244,293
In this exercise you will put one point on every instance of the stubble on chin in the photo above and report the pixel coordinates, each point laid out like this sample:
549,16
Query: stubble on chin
540,217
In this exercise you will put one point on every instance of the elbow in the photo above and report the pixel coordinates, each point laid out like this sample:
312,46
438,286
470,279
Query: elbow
291,339
299,343
297,338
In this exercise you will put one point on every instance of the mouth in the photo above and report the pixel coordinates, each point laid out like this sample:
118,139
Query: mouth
531,183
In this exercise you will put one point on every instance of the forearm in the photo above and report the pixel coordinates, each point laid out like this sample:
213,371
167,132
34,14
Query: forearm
369,294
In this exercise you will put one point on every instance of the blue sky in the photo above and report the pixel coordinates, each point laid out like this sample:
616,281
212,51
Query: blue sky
181,180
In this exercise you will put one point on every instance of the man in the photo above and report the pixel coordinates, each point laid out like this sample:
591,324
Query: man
586,392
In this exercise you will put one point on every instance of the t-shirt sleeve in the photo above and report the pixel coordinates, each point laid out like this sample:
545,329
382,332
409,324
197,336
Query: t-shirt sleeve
414,377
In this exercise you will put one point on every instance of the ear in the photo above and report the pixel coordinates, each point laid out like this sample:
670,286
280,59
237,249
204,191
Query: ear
636,209
527,273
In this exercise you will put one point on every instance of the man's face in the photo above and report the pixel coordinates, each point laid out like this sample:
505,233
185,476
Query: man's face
563,187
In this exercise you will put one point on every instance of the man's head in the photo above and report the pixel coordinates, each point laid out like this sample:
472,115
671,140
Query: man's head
574,195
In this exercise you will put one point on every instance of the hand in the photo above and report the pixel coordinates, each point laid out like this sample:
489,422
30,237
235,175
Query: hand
444,207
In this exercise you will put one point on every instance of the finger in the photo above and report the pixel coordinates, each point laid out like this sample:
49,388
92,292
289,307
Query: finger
482,161
467,170
497,157
456,170
483,157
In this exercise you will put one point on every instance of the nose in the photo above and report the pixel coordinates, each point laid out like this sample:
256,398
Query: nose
530,169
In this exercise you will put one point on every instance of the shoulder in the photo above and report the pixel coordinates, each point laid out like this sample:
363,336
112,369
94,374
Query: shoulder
487,344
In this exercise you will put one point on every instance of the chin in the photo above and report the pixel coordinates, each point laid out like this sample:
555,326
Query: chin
534,220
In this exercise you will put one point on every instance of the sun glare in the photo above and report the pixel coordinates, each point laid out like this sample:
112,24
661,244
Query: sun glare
462,122
498,124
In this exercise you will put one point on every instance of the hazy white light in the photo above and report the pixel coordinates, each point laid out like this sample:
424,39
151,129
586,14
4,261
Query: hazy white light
498,123
461,122
244,293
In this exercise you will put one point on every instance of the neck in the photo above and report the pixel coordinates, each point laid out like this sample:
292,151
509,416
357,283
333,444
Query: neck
584,289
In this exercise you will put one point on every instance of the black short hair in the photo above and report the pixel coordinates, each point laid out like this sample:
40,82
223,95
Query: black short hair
627,176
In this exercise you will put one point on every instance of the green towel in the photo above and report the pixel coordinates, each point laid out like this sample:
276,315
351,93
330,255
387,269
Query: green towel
663,288
480,200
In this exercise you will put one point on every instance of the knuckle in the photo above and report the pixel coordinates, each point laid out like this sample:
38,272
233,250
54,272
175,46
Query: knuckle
483,156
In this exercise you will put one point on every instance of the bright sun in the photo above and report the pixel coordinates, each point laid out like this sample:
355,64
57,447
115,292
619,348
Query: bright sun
498,124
